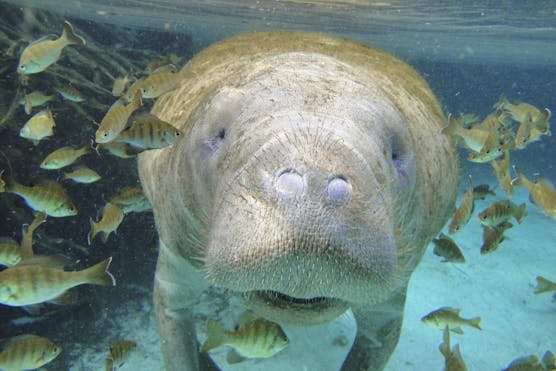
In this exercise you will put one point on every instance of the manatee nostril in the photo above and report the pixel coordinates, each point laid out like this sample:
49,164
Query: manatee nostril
290,183
338,189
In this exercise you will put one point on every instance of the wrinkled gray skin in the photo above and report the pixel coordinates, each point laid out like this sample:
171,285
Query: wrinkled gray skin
311,176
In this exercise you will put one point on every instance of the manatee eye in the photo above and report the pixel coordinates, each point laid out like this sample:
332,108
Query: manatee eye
400,160
177,133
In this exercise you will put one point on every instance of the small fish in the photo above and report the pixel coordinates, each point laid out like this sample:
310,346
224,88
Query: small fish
120,84
32,284
453,361
544,285
445,247
481,191
28,352
518,112
82,174
161,81
112,216
463,213
116,118
38,127
119,353
502,211
43,195
149,132
10,252
473,139
131,199
27,232
526,363
542,193
45,51
64,156
493,237
256,339
446,316
70,93
530,130
34,99
502,172
493,148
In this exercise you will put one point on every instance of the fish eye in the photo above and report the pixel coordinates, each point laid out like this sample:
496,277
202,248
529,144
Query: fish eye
105,134
22,67
488,151
457,227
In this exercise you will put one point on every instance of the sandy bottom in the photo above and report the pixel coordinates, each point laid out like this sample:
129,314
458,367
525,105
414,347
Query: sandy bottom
498,287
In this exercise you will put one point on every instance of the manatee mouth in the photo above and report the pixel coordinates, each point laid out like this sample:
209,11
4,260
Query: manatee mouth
283,308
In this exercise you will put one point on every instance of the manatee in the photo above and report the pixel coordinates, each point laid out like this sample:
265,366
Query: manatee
311,176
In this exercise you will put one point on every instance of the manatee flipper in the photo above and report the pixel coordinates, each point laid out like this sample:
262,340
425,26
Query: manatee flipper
378,332
174,294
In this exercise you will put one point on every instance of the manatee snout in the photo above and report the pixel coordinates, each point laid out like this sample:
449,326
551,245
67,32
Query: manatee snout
308,217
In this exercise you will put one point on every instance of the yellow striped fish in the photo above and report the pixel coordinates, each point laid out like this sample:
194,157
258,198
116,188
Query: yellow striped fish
112,216
64,156
162,80
116,118
44,195
27,352
542,193
149,132
45,51
119,353
463,213
502,211
10,252
256,339
493,237
32,284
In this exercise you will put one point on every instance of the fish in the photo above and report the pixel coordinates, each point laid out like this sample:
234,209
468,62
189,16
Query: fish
10,252
157,63
34,99
70,93
481,191
22,285
544,285
526,363
161,81
502,211
131,199
502,173
120,84
493,148
40,54
446,316
518,112
38,127
255,339
542,193
493,237
82,174
473,139
531,130
445,247
112,216
116,118
119,353
463,213
453,361
27,232
43,195
149,132
64,156
28,352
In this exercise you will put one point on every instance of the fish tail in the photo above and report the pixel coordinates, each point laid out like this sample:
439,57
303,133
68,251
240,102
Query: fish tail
475,322
216,336
521,212
452,125
543,285
93,232
136,100
70,36
98,274
503,101
7,183
519,180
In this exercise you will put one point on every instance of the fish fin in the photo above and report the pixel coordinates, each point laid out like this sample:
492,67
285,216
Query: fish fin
70,36
452,125
136,100
166,68
98,274
28,106
457,330
234,357
520,179
109,364
246,317
450,309
104,236
521,213
50,261
68,297
501,102
444,347
475,322
92,233
50,37
543,285
216,336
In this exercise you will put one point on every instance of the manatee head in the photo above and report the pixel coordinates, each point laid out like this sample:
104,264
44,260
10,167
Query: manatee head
316,174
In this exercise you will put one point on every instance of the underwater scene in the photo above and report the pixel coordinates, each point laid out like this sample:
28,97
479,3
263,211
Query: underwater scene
78,239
